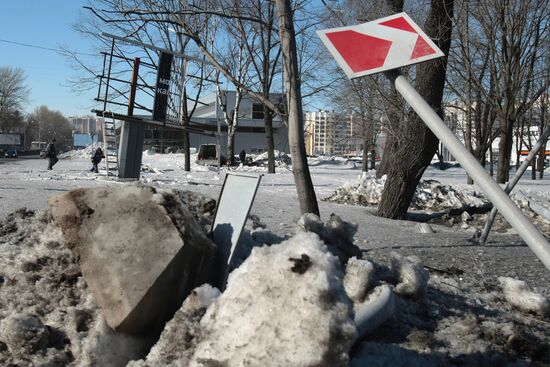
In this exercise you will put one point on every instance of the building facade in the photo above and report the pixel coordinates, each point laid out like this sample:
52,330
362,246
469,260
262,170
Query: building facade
250,134
330,133
91,125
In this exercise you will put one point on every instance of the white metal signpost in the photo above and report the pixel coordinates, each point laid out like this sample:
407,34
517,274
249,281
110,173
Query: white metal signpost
395,41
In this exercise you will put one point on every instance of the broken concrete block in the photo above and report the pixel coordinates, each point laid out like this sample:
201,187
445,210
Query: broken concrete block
140,251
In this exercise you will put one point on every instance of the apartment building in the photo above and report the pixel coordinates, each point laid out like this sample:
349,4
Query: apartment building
87,125
331,133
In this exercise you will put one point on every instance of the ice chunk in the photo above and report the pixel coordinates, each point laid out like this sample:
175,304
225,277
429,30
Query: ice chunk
518,294
412,277
359,278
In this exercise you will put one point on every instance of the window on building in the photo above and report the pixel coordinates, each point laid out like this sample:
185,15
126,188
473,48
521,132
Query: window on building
258,111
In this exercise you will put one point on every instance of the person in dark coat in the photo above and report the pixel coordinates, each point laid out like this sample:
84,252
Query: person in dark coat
96,158
242,157
51,154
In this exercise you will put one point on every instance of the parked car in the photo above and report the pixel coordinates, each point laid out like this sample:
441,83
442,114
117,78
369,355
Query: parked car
11,154
208,155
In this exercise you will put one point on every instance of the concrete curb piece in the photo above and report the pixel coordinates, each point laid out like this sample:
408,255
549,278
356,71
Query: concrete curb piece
140,251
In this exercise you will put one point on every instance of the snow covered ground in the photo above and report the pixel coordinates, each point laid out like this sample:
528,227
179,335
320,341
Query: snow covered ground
464,318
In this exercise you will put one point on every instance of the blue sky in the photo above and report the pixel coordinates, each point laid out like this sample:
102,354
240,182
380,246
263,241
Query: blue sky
45,23
48,24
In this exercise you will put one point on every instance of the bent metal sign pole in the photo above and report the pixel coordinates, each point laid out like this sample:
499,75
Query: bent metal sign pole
386,44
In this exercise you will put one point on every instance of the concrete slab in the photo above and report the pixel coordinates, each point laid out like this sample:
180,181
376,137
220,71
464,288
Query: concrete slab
140,251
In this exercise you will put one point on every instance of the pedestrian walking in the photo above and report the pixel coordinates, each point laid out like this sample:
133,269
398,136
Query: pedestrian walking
51,154
242,157
96,158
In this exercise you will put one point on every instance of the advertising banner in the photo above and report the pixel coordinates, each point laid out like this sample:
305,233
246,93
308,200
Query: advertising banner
162,88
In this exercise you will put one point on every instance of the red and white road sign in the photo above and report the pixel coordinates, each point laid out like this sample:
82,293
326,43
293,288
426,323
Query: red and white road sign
383,44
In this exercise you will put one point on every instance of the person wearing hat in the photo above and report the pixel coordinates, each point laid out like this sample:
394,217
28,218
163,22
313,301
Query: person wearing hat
51,154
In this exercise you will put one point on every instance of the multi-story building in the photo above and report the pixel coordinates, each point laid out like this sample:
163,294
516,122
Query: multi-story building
330,133
87,125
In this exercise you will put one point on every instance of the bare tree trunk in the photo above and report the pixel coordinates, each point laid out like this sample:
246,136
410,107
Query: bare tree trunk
365,161
302,178
520,131
232,123
542,157
269,143
491,169
504,153
389,148
468,132
441,160
186,147
419,145
230,151
534,169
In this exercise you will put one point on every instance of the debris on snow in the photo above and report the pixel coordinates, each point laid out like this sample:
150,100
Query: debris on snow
539,202
461,333
261,316
337,234
412,277
518,294
40,277
430,195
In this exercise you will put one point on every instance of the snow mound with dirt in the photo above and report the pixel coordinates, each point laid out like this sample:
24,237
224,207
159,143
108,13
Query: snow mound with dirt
430,195
282,159
48,315
81,153
294,310
289,303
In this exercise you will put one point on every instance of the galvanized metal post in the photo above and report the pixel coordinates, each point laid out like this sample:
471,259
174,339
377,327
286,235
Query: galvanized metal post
527,231
512,183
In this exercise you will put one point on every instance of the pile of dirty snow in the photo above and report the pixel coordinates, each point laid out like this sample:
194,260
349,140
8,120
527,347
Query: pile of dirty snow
430,195
289,302
81,153
282,159
325,160
48,315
